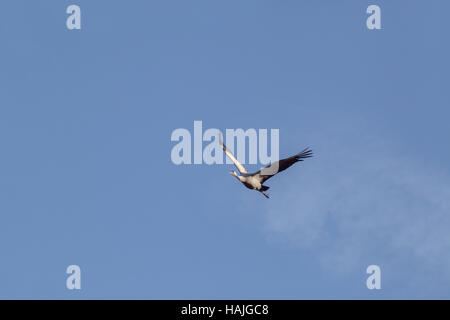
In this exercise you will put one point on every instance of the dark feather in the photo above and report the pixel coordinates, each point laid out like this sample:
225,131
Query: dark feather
283,164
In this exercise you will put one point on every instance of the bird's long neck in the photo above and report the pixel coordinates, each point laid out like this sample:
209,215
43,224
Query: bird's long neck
240,178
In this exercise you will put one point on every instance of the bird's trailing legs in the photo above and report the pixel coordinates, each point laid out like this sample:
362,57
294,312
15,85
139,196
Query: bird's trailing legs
265,194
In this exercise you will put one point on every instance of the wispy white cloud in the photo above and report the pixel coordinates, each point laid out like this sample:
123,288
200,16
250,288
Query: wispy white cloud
364,202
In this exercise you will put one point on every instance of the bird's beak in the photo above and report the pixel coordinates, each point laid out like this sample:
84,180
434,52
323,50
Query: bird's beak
231,172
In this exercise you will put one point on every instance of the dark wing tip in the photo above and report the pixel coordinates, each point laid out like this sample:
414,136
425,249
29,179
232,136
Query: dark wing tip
305,153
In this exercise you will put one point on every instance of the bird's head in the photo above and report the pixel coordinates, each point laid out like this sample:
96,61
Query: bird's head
233,173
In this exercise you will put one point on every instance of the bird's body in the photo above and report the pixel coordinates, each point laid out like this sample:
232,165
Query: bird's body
249,181
255,181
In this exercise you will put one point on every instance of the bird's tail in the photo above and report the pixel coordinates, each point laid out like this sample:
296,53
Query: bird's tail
264,188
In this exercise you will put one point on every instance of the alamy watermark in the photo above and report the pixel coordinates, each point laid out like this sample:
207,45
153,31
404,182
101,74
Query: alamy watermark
190,148
374,280
73,281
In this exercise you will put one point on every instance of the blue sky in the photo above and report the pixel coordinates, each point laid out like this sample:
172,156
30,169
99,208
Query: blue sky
85,170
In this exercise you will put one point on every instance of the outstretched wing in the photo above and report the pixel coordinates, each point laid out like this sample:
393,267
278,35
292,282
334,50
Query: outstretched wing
276,167
238,165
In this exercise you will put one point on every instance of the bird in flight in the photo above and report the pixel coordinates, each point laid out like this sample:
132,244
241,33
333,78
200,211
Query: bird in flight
255,180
